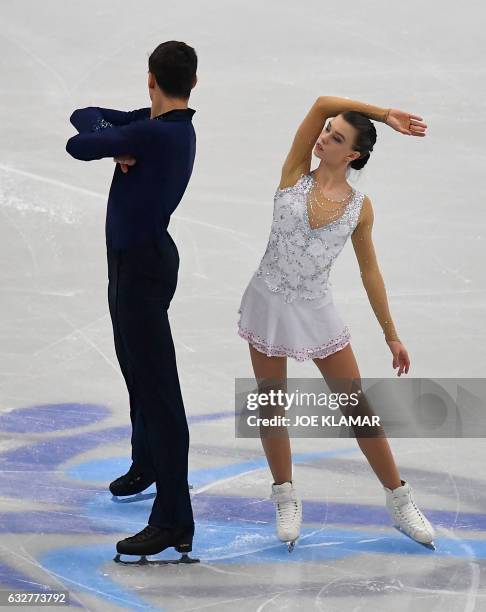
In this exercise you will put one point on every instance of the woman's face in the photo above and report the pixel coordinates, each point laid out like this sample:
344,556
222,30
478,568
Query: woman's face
334,145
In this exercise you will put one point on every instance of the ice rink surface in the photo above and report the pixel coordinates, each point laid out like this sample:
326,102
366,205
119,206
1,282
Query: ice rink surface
64,422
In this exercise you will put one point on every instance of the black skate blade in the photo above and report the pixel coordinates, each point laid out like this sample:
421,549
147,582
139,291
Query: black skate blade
144,561
430,545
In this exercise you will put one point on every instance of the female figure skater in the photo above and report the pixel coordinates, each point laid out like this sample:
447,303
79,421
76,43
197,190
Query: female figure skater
287,309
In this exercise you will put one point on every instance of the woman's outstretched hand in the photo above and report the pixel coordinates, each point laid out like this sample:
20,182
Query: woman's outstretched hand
402,122
400,356
125,162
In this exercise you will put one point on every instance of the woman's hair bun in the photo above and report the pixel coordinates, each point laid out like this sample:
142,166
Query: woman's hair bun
365,138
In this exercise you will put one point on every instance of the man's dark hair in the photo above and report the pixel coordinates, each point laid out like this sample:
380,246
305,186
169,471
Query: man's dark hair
174,65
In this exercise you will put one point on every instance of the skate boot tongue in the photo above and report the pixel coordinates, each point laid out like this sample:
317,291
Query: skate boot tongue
148,532
285,486
401,494
282,492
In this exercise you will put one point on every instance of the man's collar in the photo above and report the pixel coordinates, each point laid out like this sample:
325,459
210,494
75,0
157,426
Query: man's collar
177,114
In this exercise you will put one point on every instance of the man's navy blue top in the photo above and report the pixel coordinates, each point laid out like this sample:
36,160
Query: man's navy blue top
141,201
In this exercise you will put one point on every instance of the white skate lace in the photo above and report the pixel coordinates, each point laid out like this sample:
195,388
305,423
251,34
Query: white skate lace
409,513
288,512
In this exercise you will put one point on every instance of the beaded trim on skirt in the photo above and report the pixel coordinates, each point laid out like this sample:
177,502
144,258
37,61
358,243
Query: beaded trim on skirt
278,350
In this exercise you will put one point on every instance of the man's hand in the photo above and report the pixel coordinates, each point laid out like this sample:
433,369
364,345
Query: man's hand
402,122
400,356
125,162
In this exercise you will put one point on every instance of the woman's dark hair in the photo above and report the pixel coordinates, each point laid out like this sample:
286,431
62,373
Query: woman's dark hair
365,138
174,65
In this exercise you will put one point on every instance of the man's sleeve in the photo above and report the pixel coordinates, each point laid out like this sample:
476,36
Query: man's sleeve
134,139
94,118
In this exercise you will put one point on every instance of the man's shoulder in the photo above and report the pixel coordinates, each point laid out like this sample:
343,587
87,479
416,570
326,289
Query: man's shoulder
177,132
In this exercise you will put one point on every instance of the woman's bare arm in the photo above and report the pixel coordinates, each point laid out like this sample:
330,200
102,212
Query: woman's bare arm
370,271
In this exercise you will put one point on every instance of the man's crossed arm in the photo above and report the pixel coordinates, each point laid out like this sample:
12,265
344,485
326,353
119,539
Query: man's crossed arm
104,132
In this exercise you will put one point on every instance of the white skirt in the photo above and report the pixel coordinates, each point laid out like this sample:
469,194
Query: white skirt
302,329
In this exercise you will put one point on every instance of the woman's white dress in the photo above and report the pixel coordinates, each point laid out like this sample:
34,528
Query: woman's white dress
287,309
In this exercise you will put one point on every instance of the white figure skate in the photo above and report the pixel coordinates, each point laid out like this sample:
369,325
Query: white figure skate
407,517
288,511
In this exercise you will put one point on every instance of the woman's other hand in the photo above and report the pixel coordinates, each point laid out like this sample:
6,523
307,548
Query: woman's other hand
400,356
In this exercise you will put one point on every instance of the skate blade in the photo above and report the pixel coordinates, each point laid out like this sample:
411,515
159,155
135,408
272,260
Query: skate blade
291,545
144,561
129,499
135,497
429,545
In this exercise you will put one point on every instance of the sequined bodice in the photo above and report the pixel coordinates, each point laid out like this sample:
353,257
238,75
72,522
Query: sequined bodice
298,259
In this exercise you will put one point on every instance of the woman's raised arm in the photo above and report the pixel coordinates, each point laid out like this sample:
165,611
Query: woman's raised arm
300,155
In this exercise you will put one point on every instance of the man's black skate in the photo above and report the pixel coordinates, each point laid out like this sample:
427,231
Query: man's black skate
152,540
136,480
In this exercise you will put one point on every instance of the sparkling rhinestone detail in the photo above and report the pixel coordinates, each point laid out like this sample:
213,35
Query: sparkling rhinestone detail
101,124
279,350
298,258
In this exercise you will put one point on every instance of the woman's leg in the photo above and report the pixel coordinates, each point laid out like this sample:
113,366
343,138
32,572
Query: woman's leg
342,364
271,373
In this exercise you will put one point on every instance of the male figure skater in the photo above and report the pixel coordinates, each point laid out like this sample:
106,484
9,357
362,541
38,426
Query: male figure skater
155,150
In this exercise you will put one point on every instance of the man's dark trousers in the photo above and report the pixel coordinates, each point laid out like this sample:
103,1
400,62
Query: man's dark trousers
142,280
